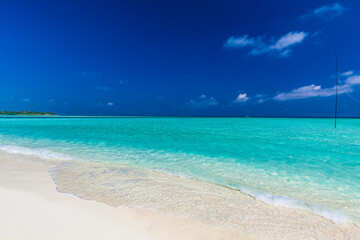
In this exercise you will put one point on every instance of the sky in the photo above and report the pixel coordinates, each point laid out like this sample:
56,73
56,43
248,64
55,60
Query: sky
180,58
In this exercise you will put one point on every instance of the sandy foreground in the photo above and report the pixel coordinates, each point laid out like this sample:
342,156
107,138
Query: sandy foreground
32,209
127,203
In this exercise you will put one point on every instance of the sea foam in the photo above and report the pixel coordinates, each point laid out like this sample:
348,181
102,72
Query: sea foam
258,195
281,201
296,204
42,153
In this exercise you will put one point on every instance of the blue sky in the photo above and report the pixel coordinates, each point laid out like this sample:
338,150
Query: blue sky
199,58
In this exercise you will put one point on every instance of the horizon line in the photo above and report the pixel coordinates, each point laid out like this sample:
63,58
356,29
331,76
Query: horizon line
169,116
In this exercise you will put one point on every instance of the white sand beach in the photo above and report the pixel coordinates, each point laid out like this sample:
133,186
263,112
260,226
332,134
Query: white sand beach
32,209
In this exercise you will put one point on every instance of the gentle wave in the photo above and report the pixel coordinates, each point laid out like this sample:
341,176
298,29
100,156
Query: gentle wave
282,201
42,153
279,200
258,195
296,204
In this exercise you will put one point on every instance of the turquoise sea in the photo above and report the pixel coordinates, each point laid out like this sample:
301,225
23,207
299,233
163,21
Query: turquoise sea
294,162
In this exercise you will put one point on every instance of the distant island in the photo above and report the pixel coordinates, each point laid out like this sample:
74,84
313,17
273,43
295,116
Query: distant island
25,113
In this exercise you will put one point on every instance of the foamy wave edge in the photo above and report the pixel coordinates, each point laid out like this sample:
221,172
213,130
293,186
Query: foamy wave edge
42,153
281,201
258,195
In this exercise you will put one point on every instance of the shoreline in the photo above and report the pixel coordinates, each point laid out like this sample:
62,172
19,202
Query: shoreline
44,156
251,219
32,209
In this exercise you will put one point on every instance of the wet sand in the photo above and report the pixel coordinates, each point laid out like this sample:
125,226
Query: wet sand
142,204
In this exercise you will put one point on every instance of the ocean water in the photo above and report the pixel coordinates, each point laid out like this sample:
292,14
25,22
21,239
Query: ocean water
293,162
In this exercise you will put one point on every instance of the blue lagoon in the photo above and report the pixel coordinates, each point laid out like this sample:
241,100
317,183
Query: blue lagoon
175,164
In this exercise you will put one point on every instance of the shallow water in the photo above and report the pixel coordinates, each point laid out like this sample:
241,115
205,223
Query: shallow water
302,163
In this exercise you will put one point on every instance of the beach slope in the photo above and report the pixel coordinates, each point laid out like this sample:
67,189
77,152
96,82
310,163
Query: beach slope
32,209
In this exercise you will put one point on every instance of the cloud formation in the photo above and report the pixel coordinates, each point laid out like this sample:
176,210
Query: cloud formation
260,98
262,45
203,102
329,11
353,80
242,97
317,91
347,73
308,91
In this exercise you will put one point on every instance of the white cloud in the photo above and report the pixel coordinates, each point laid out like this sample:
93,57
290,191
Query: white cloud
317,91
260,95
243,41
110,104
261,98
347,73
346,85
289,39
242,97
203,102
353,80
309,91
325,12
261,45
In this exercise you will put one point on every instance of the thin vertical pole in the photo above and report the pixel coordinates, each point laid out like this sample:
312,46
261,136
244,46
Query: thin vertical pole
337,87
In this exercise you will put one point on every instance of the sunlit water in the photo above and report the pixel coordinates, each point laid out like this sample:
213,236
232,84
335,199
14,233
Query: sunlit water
302,163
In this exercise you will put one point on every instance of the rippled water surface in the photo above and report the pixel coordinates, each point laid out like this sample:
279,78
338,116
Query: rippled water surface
285,161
